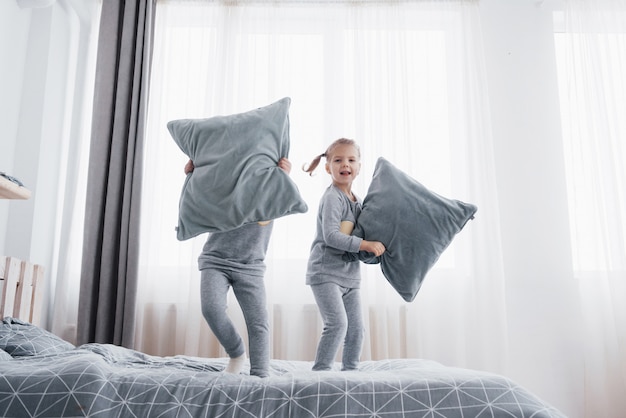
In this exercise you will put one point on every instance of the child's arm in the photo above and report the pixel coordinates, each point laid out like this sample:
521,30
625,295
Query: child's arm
374,247
331,209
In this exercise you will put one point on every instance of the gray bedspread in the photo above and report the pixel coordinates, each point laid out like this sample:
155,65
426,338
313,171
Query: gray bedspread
100,380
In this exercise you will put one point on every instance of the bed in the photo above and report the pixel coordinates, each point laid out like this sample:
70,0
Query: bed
43,376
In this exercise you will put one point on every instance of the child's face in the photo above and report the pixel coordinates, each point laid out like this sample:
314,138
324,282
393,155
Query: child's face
343,164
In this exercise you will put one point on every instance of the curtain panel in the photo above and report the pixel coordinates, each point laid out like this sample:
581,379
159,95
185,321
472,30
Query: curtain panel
110,249
591,51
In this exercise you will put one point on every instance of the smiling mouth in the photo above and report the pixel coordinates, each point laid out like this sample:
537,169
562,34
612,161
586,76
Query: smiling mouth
345,173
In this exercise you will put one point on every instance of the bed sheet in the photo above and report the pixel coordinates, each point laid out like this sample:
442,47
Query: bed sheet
101,380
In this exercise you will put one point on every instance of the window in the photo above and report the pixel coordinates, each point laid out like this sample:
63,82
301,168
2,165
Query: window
401,78
593,104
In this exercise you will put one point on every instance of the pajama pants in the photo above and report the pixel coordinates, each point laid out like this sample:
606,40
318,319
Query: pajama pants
250,293
340,308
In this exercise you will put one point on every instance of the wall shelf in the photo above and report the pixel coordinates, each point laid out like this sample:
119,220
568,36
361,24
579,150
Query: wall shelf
10,190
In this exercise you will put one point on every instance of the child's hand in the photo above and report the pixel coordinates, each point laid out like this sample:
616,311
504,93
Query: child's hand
375,247
285,164
189,167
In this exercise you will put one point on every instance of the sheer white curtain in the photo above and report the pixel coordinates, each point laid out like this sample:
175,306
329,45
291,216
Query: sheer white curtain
406,80
592,63
64,269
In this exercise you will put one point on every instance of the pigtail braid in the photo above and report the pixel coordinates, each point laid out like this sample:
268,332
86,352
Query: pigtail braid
313,164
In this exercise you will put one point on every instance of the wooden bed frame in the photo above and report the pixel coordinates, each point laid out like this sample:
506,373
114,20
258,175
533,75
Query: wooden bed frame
21,284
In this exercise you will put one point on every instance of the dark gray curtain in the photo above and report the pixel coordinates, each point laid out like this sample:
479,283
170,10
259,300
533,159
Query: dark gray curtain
108,288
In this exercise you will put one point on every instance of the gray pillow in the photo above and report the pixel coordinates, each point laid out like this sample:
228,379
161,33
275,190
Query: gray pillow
415,225
20,338
236,179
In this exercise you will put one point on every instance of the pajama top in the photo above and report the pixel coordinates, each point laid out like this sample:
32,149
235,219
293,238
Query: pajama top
242,249
326,262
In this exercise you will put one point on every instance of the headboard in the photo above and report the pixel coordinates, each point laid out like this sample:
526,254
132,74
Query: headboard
21,286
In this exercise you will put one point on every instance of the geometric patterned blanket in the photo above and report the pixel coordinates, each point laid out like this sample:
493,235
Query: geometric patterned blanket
52,378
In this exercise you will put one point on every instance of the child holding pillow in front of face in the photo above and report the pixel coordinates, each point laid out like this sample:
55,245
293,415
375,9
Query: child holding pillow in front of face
237,259
335,283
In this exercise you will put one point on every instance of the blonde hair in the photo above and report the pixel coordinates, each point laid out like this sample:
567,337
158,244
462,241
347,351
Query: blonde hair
316,161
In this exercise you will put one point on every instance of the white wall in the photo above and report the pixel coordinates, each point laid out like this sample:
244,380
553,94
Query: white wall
42,54
44,77
14,31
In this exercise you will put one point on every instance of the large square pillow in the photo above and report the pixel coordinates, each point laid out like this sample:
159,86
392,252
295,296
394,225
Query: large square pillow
236,179
20,338
415,224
